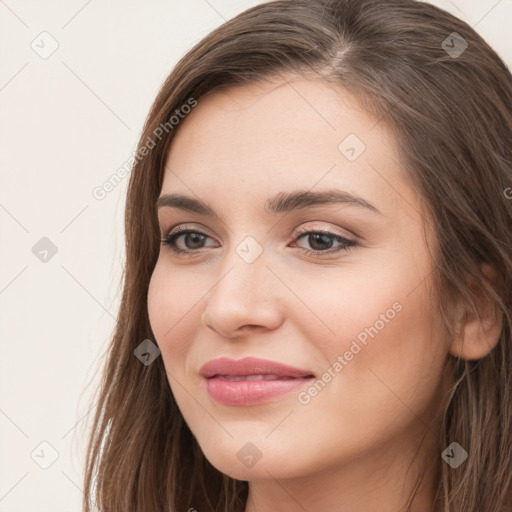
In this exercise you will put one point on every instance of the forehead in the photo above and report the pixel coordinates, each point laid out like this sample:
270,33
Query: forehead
263,138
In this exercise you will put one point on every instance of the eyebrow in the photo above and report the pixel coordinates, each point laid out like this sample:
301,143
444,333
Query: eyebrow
280,203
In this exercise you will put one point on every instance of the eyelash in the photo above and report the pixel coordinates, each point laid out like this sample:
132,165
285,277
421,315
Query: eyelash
170,240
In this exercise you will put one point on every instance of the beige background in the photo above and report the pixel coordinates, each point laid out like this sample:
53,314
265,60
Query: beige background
68,122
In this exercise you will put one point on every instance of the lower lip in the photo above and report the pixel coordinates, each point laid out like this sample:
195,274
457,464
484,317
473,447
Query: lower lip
251,392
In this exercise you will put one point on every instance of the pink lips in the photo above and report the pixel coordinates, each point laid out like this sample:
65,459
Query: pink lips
250,381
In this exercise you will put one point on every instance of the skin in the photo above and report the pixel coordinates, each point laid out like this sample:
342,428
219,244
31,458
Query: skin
351,447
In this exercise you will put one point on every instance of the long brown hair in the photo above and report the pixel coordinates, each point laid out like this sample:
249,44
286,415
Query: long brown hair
448,100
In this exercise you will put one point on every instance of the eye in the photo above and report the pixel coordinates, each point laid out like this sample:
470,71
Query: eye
321,241
193,239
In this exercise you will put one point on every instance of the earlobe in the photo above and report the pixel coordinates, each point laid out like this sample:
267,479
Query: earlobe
478,330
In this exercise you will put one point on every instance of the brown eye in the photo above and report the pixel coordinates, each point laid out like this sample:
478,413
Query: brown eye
322,242
192,239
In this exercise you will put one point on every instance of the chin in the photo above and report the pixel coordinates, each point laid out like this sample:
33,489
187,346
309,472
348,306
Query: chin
246,462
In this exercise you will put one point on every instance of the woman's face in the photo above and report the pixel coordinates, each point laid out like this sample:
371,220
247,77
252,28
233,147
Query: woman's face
355,313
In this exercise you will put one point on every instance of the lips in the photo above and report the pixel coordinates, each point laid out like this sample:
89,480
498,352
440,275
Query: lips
252,377
250,367
251,381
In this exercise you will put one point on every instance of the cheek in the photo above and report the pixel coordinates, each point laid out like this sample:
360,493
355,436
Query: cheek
173,311
390,357
381,324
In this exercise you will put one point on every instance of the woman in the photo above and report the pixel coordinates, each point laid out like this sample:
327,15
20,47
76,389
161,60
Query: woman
255,369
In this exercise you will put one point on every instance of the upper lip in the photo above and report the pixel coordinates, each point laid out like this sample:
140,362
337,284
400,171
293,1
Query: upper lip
250,366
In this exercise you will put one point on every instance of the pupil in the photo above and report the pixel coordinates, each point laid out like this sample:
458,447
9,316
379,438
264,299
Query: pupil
323,238
196,238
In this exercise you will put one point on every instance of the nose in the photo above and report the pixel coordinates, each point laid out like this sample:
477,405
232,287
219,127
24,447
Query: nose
245,297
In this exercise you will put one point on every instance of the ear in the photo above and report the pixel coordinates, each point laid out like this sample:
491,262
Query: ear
478,331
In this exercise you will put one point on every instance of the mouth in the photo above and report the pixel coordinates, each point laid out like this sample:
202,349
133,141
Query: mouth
251,381
252,377
251,367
